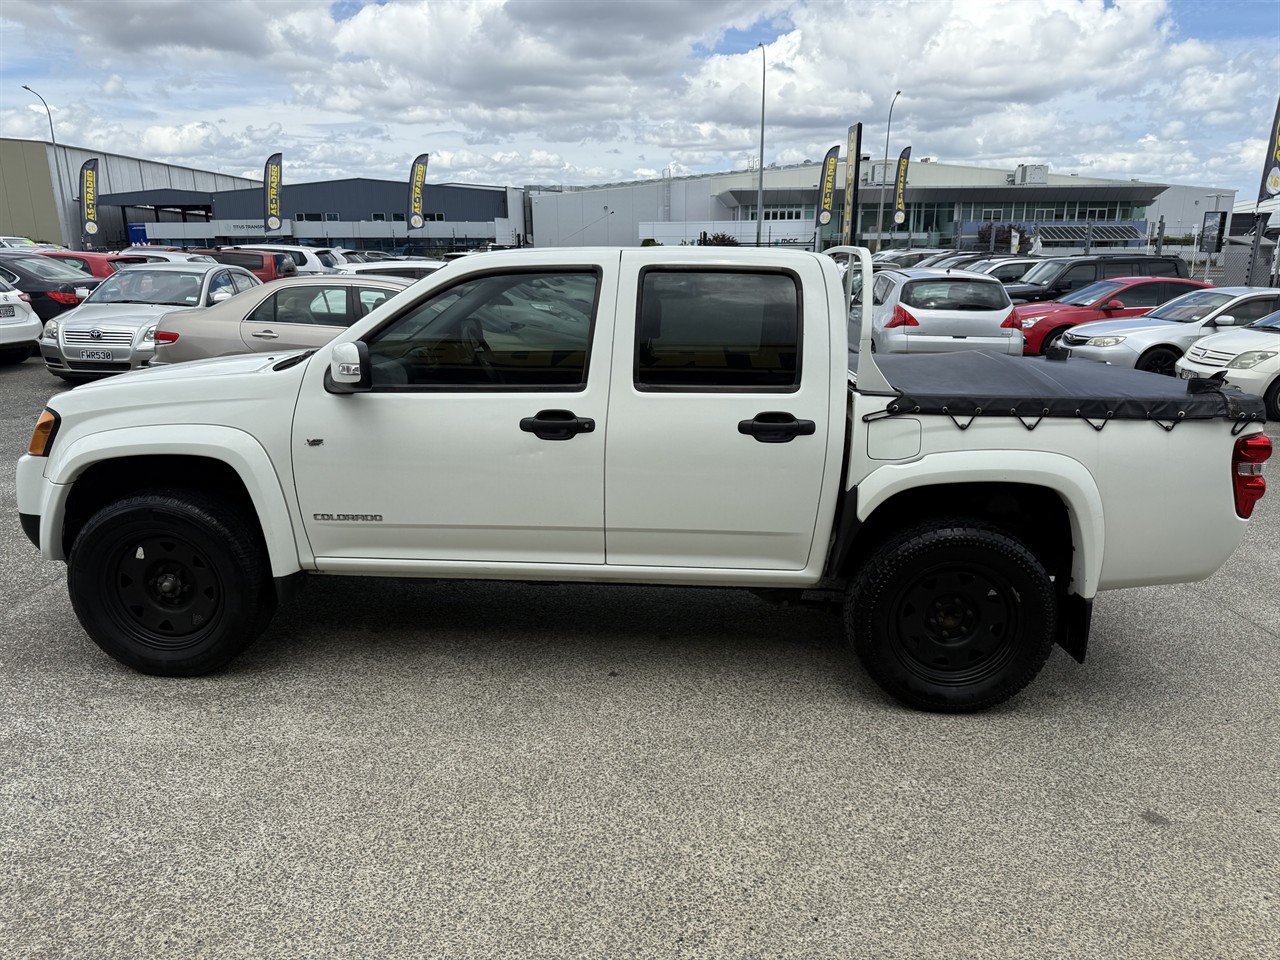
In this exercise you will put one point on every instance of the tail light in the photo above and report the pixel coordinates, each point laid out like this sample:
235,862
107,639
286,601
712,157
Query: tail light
1246,472
165,336
901,318
25,297
1012,321
70,299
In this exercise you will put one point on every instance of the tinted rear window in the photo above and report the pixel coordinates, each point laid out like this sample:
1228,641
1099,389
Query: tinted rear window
954,294
250,261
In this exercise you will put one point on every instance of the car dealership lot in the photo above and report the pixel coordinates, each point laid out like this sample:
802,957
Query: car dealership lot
470,769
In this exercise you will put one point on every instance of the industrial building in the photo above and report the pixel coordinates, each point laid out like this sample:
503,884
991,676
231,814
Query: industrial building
946,205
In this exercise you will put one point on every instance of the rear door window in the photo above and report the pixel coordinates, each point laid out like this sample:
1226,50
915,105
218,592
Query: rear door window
1161,268
718,330
242,282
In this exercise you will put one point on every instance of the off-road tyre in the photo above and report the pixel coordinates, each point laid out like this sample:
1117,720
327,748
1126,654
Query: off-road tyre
171,582
952,616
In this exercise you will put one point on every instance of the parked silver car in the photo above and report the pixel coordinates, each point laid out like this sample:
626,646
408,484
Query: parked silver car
1156,340
114,329
934,311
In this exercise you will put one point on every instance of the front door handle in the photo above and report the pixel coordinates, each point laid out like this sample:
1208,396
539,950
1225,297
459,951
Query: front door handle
265,335
776,427
557,425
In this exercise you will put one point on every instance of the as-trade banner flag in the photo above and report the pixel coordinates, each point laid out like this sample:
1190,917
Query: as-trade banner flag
271,193
89,197
900,188
1271,168
827,195
417,188
852,164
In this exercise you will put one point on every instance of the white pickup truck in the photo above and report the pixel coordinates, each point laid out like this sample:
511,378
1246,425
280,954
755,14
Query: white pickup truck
663,415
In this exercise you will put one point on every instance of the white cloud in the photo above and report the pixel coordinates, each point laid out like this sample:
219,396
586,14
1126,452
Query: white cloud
555,90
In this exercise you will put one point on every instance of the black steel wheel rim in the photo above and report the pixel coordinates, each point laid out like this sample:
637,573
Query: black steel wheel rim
164,591
955,625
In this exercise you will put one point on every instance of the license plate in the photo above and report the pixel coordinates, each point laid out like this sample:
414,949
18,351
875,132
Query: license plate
8,311
95,354
1187,374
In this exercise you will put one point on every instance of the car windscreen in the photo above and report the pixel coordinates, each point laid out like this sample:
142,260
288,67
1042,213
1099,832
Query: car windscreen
1099,292
1043,272
141,285
954,294
47,268
1190,307
1270,323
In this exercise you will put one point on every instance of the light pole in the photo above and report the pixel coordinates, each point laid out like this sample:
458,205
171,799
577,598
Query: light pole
760,179
57,166
885,174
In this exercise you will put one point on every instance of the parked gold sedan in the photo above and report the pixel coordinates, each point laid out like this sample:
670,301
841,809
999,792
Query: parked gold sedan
299,313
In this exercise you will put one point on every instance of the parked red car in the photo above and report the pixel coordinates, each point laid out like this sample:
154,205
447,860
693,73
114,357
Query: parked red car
94,264
1043,324
263,264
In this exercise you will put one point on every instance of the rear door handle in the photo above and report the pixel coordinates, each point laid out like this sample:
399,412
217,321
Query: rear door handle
265,335
557,425
776,427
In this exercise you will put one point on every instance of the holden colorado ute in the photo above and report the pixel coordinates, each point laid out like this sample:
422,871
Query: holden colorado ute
681,416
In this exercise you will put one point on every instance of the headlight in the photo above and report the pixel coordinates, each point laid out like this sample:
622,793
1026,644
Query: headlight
1104,341
1250,359
150,335
51,330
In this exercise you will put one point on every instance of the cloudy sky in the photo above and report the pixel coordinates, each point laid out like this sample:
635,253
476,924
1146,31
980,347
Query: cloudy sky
586,91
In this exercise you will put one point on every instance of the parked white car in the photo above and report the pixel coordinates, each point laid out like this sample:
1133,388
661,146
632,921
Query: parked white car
307,259
1155,341
918,310
19,325
413,269
1249,357
167,256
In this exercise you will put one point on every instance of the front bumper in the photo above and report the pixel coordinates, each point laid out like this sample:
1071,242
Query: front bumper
1252,380
40,506
78,360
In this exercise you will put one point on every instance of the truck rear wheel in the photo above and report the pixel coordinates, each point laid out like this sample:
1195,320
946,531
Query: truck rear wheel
952,616
171,582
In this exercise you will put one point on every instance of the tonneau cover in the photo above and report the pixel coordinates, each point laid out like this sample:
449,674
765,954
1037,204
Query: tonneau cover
974,383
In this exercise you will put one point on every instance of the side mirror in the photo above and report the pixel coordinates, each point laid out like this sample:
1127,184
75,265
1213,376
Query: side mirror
220,295
349,370
1227,320
83,292
1113,305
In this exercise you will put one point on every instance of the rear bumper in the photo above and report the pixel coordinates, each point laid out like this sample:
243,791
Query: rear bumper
26,330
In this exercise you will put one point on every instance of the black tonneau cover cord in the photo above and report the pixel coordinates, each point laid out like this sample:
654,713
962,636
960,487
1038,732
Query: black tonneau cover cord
966,386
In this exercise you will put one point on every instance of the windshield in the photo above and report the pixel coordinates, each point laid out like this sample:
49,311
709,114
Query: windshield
1042,273
1270,323
140,285
1101,291
1190,307
49,269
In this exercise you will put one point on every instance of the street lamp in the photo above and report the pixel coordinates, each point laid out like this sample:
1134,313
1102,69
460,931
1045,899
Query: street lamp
57,166
760,179
884,175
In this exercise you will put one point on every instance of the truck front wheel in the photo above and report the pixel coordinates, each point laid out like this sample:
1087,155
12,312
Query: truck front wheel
170,582
952,616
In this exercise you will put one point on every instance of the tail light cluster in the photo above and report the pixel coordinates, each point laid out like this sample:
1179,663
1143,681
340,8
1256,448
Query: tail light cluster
1012,321
165,336
901,318
1246,472
70,299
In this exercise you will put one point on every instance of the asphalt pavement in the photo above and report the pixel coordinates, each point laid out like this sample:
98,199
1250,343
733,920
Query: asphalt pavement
403,769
